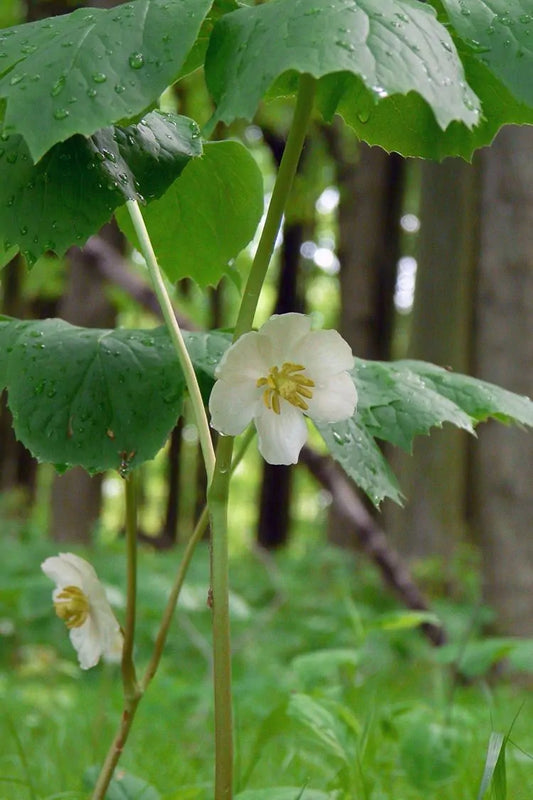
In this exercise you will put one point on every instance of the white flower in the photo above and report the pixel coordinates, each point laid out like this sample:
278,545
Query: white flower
276,375
80,600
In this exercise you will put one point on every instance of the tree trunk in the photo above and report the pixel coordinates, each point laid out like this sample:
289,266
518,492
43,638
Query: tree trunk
434,478
371,188
503,457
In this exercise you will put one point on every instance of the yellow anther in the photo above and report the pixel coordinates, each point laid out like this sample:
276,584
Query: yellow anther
72,606
286,382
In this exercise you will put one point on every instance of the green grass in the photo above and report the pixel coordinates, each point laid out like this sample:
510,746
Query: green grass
328,694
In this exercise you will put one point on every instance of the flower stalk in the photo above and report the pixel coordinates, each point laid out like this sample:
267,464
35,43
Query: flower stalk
218,492
176,336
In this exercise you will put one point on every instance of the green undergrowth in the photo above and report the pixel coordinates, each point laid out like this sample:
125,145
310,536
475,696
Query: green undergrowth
336,691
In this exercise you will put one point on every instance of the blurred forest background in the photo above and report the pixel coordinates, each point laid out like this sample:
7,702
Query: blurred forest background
408,259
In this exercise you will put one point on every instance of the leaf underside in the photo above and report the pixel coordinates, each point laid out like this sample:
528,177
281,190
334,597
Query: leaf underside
75,188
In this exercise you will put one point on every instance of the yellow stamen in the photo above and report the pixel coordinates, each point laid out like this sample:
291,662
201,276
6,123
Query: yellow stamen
72,606
286,383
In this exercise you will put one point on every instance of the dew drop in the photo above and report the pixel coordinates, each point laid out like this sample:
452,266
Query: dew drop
61,113
99,77
16,79
91,93
58,86
23,230
119,88
136,60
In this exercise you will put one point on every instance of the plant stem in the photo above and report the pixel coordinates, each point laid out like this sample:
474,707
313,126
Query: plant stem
175,335
153,664
129,678
219,489
278,201
132,690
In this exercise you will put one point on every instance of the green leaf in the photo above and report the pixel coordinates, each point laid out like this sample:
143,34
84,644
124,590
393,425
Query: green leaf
479,399
403,399
123,786
369,55
106,66
397,404
355,449
428,751
102,399
74,189
385,125
499,34
320,723
494,769
206,217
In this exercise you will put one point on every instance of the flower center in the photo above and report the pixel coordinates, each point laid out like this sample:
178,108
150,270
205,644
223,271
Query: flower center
72,606
289,383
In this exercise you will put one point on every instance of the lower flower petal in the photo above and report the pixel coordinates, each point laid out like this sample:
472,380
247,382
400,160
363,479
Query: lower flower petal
281,436
334,400
87,644
232,405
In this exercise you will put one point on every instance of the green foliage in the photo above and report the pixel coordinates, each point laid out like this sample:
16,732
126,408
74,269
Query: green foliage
403,399
74,189
207,217
370,55
499,35
124,786
494,773
79,396
334,681
107,66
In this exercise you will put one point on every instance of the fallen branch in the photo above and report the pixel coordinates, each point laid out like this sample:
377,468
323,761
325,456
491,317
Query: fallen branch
369,536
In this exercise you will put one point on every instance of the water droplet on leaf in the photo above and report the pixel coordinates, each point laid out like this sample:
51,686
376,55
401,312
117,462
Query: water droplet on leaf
136,60
61,113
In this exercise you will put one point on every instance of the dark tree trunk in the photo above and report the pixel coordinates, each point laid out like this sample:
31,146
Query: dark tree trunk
503,457
434,478
371,190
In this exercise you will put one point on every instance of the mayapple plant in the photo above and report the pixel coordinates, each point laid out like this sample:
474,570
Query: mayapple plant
82,138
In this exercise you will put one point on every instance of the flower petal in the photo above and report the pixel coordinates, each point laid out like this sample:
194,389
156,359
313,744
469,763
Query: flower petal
232,405
281,436
243,359
333,400
284,331
322,353
87,644
64,570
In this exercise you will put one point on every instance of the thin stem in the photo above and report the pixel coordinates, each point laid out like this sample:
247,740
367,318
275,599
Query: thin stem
128,668
219,489
278,201
132,690
175,335
196,537
217,499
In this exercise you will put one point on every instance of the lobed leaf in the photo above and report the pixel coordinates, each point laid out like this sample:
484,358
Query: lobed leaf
404,399
368,54
83,71
75,188
207,217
